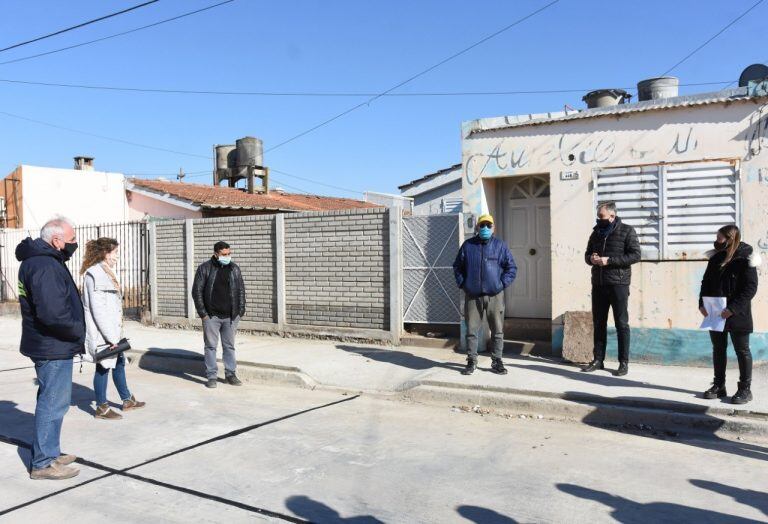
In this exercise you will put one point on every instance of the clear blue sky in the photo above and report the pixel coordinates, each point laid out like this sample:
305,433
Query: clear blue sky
335,46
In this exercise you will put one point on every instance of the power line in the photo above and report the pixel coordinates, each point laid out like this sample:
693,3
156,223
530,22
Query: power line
183,15
316,93
689,55
414,77
78,26
194,174
208,171
103,137
317,182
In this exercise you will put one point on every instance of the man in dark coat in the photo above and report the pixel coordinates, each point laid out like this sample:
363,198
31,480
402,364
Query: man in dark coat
219,295
52,333
612,249
483,268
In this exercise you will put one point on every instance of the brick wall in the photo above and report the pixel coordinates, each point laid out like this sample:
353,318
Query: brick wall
171,279
253,249
337,269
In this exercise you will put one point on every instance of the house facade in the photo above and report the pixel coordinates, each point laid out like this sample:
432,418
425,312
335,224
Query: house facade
677,168
435,193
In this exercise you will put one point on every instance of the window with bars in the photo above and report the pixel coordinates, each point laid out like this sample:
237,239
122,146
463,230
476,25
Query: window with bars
676,209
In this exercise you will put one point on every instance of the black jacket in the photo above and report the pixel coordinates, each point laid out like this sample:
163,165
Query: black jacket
737,281
622,249
52,319
202,288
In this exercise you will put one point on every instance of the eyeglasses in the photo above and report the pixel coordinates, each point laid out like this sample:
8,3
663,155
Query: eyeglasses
486,225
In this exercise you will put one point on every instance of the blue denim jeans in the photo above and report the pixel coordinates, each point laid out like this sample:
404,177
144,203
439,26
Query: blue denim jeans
101,377
54,394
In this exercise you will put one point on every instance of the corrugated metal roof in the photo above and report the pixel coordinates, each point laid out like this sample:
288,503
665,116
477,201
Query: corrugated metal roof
428,177
508,122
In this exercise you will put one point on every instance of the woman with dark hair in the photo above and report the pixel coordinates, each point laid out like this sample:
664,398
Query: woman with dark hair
103,304
731,273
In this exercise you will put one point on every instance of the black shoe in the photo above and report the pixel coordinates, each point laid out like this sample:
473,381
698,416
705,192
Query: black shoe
623,369
470,367
211,383
716,391
232,380
498,367
593,366
743,395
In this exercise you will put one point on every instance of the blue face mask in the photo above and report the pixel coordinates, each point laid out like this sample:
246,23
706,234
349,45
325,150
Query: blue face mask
485,233
224,261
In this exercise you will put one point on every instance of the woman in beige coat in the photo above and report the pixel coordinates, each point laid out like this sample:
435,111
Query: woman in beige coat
103,304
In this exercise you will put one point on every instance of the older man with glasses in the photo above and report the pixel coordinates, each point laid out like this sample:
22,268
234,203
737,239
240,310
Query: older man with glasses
484,267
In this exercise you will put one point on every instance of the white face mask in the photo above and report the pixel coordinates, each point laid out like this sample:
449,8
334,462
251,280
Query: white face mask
225,260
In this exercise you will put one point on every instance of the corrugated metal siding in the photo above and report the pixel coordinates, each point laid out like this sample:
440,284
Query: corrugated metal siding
675,208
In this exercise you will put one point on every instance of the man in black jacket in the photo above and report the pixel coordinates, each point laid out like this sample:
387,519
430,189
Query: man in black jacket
612,249
219,294
52,333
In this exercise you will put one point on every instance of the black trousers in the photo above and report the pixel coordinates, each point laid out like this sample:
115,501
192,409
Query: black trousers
603,299
720,355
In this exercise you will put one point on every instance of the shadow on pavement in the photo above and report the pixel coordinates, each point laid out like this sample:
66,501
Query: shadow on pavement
483,515
604,417
19,426
399,358
602,380
629,511
192,368
314,511
749,497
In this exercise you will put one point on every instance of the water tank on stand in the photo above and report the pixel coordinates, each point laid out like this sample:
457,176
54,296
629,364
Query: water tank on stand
250,154
226,162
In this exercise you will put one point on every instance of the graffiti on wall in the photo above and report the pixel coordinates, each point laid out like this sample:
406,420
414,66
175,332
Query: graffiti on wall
756,135
684,142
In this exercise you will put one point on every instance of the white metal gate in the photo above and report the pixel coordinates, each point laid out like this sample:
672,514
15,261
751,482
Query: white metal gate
430,244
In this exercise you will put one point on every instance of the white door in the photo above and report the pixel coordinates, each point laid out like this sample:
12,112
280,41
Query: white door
525,204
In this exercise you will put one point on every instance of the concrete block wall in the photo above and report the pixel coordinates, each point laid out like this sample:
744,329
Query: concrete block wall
170,269
337,269
252,239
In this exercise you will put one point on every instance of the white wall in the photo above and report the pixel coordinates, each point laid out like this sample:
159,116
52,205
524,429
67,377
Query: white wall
86,197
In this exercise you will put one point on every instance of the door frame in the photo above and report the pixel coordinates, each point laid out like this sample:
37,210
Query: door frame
501,212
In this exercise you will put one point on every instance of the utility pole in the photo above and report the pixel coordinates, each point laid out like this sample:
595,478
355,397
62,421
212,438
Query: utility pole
181,175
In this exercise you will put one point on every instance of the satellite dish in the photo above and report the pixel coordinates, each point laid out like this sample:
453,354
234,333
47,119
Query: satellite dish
753,72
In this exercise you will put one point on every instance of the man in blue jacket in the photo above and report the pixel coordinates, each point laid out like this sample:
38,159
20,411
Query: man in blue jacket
52,333
483,268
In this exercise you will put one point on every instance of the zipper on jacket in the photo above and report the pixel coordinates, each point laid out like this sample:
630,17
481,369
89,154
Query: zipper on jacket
602,253
482,265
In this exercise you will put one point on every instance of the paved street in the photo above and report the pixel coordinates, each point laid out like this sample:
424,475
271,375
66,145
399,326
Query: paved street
285,454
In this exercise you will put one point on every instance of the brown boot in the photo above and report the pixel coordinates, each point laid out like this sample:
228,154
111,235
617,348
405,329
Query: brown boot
54,471
106,413
66,460
132,403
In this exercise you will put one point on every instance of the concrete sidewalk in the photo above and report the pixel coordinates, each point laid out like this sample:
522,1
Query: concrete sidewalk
662,397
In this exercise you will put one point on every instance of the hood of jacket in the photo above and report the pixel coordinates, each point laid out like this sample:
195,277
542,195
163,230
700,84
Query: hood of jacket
744,251
37,247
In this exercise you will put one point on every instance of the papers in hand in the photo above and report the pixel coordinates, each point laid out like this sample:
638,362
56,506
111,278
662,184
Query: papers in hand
714,306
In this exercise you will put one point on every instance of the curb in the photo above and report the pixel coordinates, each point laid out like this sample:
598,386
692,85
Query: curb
665,416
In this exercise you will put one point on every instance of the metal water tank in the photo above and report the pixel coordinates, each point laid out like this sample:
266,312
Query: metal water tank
250,152
225,157
605,97
657,88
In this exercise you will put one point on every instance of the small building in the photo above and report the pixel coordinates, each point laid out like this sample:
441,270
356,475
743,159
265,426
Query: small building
678,168
390,201
435,193
32,194
165,199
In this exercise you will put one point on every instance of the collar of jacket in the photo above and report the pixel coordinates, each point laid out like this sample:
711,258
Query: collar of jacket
744,251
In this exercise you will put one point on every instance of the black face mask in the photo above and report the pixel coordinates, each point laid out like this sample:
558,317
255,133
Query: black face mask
69,250
720,245
603,222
